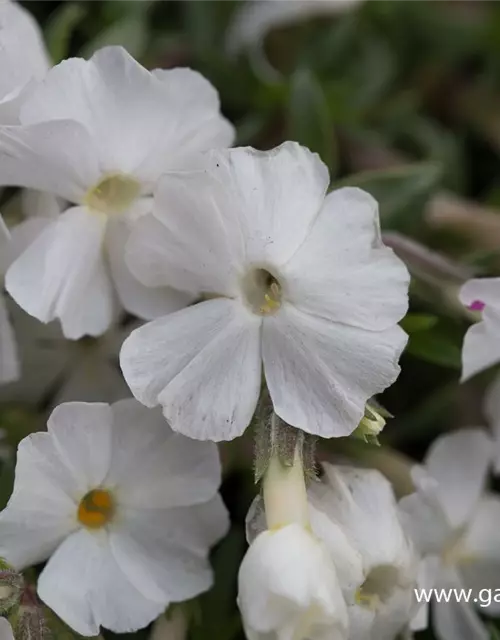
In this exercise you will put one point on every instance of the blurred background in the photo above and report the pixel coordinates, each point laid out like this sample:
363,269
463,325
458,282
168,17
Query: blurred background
401,98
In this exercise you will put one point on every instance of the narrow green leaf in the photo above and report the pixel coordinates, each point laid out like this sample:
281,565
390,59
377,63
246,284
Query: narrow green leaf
130,32
61,25
401,192
435,347
413,322
308,117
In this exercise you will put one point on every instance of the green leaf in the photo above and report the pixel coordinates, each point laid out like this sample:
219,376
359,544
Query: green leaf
61,25
131,33
308,117
436,347
413,322
401,192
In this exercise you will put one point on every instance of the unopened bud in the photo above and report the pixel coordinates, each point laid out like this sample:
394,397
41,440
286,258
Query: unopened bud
371,424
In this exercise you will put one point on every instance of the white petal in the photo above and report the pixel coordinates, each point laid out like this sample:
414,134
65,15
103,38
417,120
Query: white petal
57,157
42,509
62,275
145,302
253,20
86,587
362,502
202,364
459,463
288,587
6,630
166,551
22,52
320,374
140,122
481,347
343,271
347,559
174,625
425,521
154,467
456,620
81,433
480,568
492,412
9,361
245,207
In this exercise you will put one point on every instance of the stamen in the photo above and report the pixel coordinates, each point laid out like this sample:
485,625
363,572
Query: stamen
113,194
262,292
96,509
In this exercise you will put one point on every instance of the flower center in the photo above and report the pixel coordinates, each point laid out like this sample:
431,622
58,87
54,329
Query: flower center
378,586
262,292
96,509
113,194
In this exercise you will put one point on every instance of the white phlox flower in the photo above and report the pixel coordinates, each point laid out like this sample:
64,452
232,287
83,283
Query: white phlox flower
23,58
124,510
9,361
481,348
98,134
289,585
297,284
455,525
255,19
56,370
5,630
361,503
172,626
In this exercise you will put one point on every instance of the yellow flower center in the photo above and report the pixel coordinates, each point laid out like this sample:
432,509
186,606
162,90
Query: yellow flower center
113,194
262,292
96,509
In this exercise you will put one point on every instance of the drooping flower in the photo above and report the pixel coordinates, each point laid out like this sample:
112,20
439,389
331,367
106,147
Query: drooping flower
481,348
455,525
297,283
361,503
98,134
256,18
9,361
289,583
23,58
124,509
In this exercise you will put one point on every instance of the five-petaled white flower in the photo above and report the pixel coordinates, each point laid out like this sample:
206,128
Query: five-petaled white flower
9,361
254,19
296,282
124,509
455,527
23,58
481,348
361,502
99,133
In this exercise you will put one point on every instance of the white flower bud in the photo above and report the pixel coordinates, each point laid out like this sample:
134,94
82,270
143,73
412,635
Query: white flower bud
288,588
